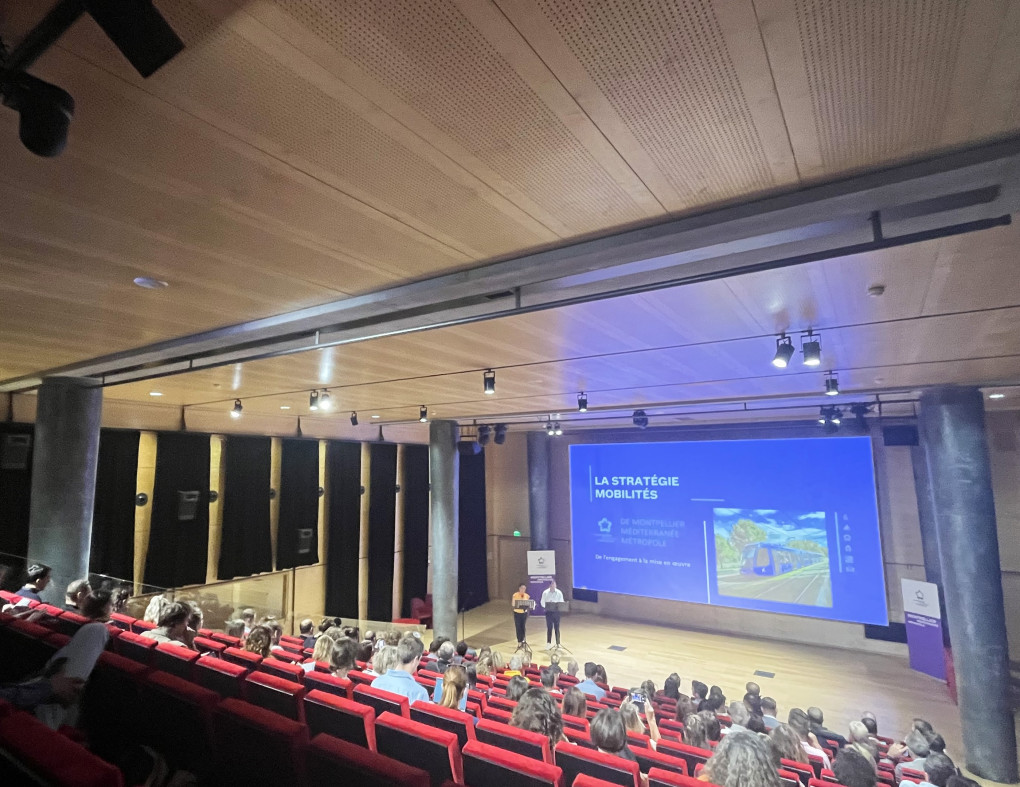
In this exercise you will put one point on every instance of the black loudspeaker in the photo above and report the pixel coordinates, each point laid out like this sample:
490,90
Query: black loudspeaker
580,594
469,447
894,632
14,451
304,543
187,505
904,434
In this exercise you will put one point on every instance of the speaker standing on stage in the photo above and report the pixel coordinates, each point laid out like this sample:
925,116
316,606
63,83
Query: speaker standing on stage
520,615
552,616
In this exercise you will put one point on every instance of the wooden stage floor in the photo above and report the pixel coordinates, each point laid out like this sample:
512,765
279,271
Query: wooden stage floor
842,683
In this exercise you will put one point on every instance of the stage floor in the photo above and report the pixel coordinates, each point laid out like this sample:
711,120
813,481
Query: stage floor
842,683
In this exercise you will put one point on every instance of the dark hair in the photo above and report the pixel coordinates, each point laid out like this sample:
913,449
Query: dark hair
174,614
328,623
768,704
38,571
924,727
472,674
95,603
798,719
260,641
939,768
671,688
548,678
365,651
713,729
960,781
600,674
608,731
937,743
753,703
870,725
684,708
516,687
575,703
590,669
699,689
345,651
756,724
852,769
742,760
694,732
536,711
462,648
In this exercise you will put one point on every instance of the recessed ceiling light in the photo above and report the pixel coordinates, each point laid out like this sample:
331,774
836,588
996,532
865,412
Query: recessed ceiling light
284,406
375,416
155,393
997,396
148,283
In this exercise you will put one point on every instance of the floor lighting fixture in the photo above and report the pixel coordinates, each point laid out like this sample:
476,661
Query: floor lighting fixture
784,351
489,382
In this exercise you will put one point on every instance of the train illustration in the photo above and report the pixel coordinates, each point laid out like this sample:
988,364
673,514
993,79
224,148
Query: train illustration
770,560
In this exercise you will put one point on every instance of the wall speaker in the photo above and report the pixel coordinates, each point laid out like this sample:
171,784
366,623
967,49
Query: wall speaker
304,541
14,451
187,505
901,434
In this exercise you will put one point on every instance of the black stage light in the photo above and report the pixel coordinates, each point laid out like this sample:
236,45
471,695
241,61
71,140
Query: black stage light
557,428
784,351
354,419
238,409
500,434
325,402
812,349
859,411
549,428
45,112
489,382
423,414
832,385
313,400
138,30
582,402
640,419
484,434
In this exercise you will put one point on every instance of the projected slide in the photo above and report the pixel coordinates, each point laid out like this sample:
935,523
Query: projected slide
775,525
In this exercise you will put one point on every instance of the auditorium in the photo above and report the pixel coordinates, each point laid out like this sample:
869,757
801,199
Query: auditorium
534,393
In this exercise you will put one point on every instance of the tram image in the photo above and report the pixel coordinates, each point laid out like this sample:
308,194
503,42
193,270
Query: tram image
772,555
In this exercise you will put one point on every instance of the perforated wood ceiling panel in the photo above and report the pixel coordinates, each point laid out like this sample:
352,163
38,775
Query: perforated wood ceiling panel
666,69
436,60
880,75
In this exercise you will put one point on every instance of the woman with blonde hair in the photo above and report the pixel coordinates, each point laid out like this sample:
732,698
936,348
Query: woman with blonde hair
454,688
496,663
632,721
784,743
483,666
384,659
323,650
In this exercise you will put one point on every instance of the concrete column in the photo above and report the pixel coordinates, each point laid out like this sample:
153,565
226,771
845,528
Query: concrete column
68,416
217,477
538,489
952,426
444,477
366,498
926,517
398,536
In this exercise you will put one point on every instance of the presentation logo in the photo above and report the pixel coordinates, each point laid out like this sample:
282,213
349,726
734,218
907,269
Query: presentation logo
605,526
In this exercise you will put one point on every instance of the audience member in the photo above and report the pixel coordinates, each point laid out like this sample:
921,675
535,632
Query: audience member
588,685
536,711
699,690
497,664
248,616
739,717
472,675
554,664
391,638
452,688
961,781
260,641
832,740
341,660
600,675
548,678
801,724
609,734
868,720
685,707
516,688
275,632
916,744
861,740
695,733
756,724
768,713
752,688
575,704
38,578
75,594
323,650
853,769
572,668
307,629
384,660
461,652
631,711
172,625
671,688
516,667
400,679
713,729
365,649
58,689
235,628
75,662
939,769
741,760
444,656
785,744
753,704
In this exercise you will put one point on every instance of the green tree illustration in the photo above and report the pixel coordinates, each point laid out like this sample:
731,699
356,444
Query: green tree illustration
725,554
808,546
746,532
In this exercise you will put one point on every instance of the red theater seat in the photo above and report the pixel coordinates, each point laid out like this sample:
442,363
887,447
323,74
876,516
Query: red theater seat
51,758
359,678
693,756
820,783
341,718
334,761
254,745
136,647
112,704
276,694
420,746
804,772
910,774
529,744
175,660
580,737
282,669
660,778
496,714
485,764
223,677
69,623
502,703
178,720
479,697
330,684
205,645
382,701
226,639
289,656
638,741
458,722
650,758
122,622
584,780
243,657
792,778
575,760
138,626
575,723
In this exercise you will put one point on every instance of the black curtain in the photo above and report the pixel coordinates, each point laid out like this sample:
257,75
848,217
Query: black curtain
247,546
382,509
15,497
415,490
113,513
299,505
473,573
179,536
343,464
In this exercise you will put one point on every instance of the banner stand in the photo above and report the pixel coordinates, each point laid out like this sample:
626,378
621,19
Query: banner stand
541,571
922,615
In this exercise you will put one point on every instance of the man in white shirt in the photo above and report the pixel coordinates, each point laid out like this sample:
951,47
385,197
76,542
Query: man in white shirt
552,616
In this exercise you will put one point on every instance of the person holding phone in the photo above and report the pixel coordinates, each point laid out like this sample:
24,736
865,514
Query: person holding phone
520,615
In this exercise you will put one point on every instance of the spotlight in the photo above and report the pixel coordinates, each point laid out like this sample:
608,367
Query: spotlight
45,112
784,351
484,434
489,382
313,400
832,385
557,429
549,428
640,419
354,419
836,416
812,349
500,434
582,402
325,401
423,414
830,419
238,409
859,411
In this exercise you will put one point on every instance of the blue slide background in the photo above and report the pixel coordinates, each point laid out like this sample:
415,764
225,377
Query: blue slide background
665,547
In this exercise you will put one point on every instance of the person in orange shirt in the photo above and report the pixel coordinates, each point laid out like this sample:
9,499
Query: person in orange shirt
520,615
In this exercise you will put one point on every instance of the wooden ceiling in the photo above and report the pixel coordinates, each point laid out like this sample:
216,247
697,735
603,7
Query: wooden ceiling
301,151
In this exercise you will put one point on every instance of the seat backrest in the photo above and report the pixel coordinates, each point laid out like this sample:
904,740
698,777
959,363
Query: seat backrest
253,744
502,703
69,622
650,758
335,761
584,780
223,677
331,684
342,718
820,783
276,694
112,703
575,723
421,746
534,745
226,639
458,722
205,645
122,622
579,737
486,764
177,720
804,772
577,759
792,778
638,741
692,755
53,758
243,657
496,714
911,774
657,777
283,669
175,659
135,646
382,701
359,678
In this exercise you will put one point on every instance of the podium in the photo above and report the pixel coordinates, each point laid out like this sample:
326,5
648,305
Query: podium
524,603
558,607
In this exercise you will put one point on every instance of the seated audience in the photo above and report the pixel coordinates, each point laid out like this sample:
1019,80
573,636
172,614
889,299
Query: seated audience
853,769
756,724
868,720
630,712
97,605
609,734
400,679
939,769
801,724
75,594
472,675
575,704
554,664
260,641
516,667
451,689
391,638
461,650
307,628
38,578
671,688
753,704
695,732
172,625
684,708
516,688
484,665
741,760
384,660
861,740
600,675
738,717
916,745
828,738
768,713
235,628
496,662
323,650
785,744
341,660
713,728
572,668
536,711
58,689
548,678
588,685
275,632
752,688
699,691
248,616
365,651
74,661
